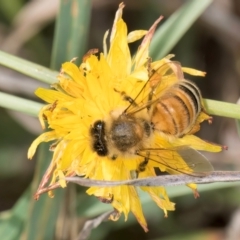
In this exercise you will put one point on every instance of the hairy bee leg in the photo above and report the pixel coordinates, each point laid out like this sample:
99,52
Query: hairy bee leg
143,164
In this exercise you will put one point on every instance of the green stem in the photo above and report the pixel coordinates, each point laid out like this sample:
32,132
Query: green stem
169,33
28,68
71,31
19,104
222,109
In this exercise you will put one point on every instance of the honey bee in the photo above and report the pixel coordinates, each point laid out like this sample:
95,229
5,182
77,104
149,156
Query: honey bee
172,111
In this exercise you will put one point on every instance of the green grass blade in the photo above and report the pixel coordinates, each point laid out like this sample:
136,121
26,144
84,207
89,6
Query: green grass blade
238,121
71,31
11,227
79,28
28,68
42,214
43,217
10,8
238,127
222,109
19,104
61,35
175,27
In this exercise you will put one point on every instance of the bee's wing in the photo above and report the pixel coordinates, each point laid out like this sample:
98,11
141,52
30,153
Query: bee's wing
195,160
165,72
159,80
184,160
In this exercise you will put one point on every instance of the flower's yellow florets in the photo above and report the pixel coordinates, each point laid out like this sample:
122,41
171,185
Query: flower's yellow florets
96,90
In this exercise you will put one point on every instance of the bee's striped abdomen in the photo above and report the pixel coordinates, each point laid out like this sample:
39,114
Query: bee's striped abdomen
177,109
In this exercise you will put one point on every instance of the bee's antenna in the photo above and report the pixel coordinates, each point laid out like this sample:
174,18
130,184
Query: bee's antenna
176,69
149,77
134,100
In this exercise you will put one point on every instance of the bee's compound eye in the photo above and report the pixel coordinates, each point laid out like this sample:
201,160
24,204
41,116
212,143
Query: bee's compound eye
97,132
98,125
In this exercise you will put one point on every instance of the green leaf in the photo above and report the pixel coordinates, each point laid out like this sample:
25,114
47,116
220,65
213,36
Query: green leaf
222,109
71,31
238,121
10,8
19,104
175,27
238,127
28,68
42,214
11,226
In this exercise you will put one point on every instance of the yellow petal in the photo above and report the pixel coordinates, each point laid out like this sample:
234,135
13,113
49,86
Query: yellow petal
62,180
198,143
41,115
105,49
71,87
45,137
163,202
135,35
193,186
51,96
119,58
193,72
143,50
118,16
74,73
136,208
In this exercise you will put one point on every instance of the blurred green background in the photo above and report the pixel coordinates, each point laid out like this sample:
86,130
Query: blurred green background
211,44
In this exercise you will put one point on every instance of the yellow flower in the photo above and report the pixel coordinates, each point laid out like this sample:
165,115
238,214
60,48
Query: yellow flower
87,99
